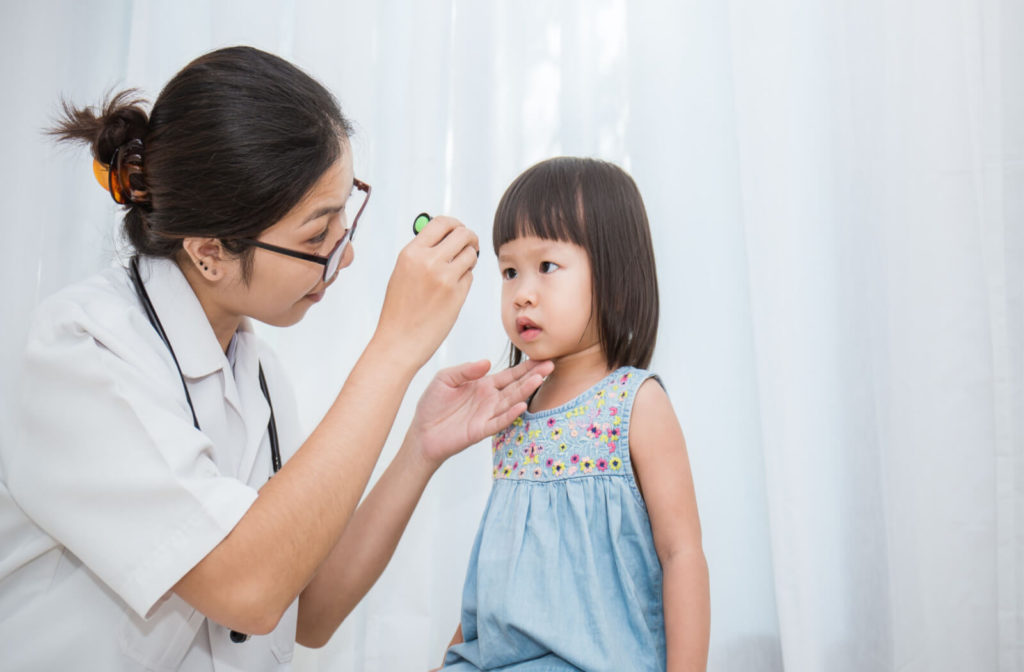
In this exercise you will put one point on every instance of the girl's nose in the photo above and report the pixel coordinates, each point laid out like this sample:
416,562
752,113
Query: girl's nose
524,296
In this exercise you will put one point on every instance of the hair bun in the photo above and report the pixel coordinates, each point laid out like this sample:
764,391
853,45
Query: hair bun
122,121
115,135
118,121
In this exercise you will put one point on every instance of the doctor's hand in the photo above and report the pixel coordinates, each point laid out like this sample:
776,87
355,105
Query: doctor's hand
462,406
426,291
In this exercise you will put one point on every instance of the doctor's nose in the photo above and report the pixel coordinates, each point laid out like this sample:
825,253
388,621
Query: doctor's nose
348,255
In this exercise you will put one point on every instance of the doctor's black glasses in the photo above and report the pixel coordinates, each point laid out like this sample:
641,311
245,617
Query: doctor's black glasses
333,259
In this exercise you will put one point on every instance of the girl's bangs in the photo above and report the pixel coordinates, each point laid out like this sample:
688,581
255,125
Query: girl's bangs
534,206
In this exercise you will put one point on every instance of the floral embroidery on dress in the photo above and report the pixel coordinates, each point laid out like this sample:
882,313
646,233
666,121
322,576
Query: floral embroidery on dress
579,438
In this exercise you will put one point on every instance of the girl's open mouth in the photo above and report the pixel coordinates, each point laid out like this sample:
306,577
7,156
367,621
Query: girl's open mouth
527,329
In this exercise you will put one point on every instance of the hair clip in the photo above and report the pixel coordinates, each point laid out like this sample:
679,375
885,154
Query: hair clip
122,167
101,172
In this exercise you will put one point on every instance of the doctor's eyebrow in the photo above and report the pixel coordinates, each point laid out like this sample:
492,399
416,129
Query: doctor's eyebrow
320,212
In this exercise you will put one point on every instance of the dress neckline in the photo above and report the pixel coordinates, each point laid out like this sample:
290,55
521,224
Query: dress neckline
575,400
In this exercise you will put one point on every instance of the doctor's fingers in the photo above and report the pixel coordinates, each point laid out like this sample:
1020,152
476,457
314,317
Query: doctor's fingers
520,374
456,242
436,231
464,262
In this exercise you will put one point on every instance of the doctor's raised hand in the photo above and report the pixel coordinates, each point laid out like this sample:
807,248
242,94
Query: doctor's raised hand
161,507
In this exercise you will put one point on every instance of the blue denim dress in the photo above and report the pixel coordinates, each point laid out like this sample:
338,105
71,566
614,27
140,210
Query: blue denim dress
563,573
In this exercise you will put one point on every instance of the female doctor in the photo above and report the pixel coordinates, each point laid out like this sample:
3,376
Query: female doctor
140,525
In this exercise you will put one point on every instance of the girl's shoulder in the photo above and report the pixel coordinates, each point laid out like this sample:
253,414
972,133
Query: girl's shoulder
617,389
621,388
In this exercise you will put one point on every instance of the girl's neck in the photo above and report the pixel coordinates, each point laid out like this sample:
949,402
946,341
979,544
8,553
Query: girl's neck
573,374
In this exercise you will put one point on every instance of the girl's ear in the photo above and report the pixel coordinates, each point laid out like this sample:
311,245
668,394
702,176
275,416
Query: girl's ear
207,255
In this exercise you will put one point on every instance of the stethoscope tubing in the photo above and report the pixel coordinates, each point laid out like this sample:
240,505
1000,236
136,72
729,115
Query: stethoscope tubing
154,319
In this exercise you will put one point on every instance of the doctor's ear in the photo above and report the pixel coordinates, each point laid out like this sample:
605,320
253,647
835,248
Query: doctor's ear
207,255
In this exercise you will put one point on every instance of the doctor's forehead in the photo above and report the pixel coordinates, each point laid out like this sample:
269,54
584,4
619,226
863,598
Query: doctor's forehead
331,191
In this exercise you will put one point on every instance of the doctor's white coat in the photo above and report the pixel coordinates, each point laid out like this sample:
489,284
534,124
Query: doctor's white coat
109,494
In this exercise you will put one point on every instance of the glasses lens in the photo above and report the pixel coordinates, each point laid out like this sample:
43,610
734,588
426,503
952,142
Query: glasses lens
334,260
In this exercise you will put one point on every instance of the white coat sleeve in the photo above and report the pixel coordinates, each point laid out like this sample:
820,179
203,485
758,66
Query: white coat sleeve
109,464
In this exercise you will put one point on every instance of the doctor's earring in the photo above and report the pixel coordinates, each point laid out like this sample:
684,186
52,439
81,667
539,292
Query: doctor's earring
201,264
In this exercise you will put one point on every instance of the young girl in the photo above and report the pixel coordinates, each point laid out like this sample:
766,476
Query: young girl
589,552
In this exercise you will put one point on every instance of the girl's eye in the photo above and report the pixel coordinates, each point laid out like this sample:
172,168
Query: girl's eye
548,267
508,273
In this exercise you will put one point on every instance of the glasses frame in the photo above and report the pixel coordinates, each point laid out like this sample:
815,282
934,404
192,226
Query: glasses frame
333,258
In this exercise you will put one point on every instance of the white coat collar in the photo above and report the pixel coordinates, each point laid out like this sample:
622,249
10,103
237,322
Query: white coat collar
199,355
183,318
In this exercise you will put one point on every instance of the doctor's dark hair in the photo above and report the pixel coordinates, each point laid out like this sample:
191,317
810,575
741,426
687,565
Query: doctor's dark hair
596,205
232,144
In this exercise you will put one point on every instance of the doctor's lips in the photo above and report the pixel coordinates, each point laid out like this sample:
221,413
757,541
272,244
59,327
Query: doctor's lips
528,330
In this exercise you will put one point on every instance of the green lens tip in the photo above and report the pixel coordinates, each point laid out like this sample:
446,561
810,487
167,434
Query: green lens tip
420,222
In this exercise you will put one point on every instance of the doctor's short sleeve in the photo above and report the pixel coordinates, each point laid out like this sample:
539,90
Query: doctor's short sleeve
107,460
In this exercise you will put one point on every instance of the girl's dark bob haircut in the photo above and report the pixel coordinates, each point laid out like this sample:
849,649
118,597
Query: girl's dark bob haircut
596,205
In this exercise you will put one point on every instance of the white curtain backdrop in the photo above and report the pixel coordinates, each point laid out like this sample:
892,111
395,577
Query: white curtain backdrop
836,191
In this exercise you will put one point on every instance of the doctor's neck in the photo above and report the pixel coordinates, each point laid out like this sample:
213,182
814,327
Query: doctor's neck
223,320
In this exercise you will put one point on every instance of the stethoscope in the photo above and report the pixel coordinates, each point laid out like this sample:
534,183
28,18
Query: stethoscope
154,319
